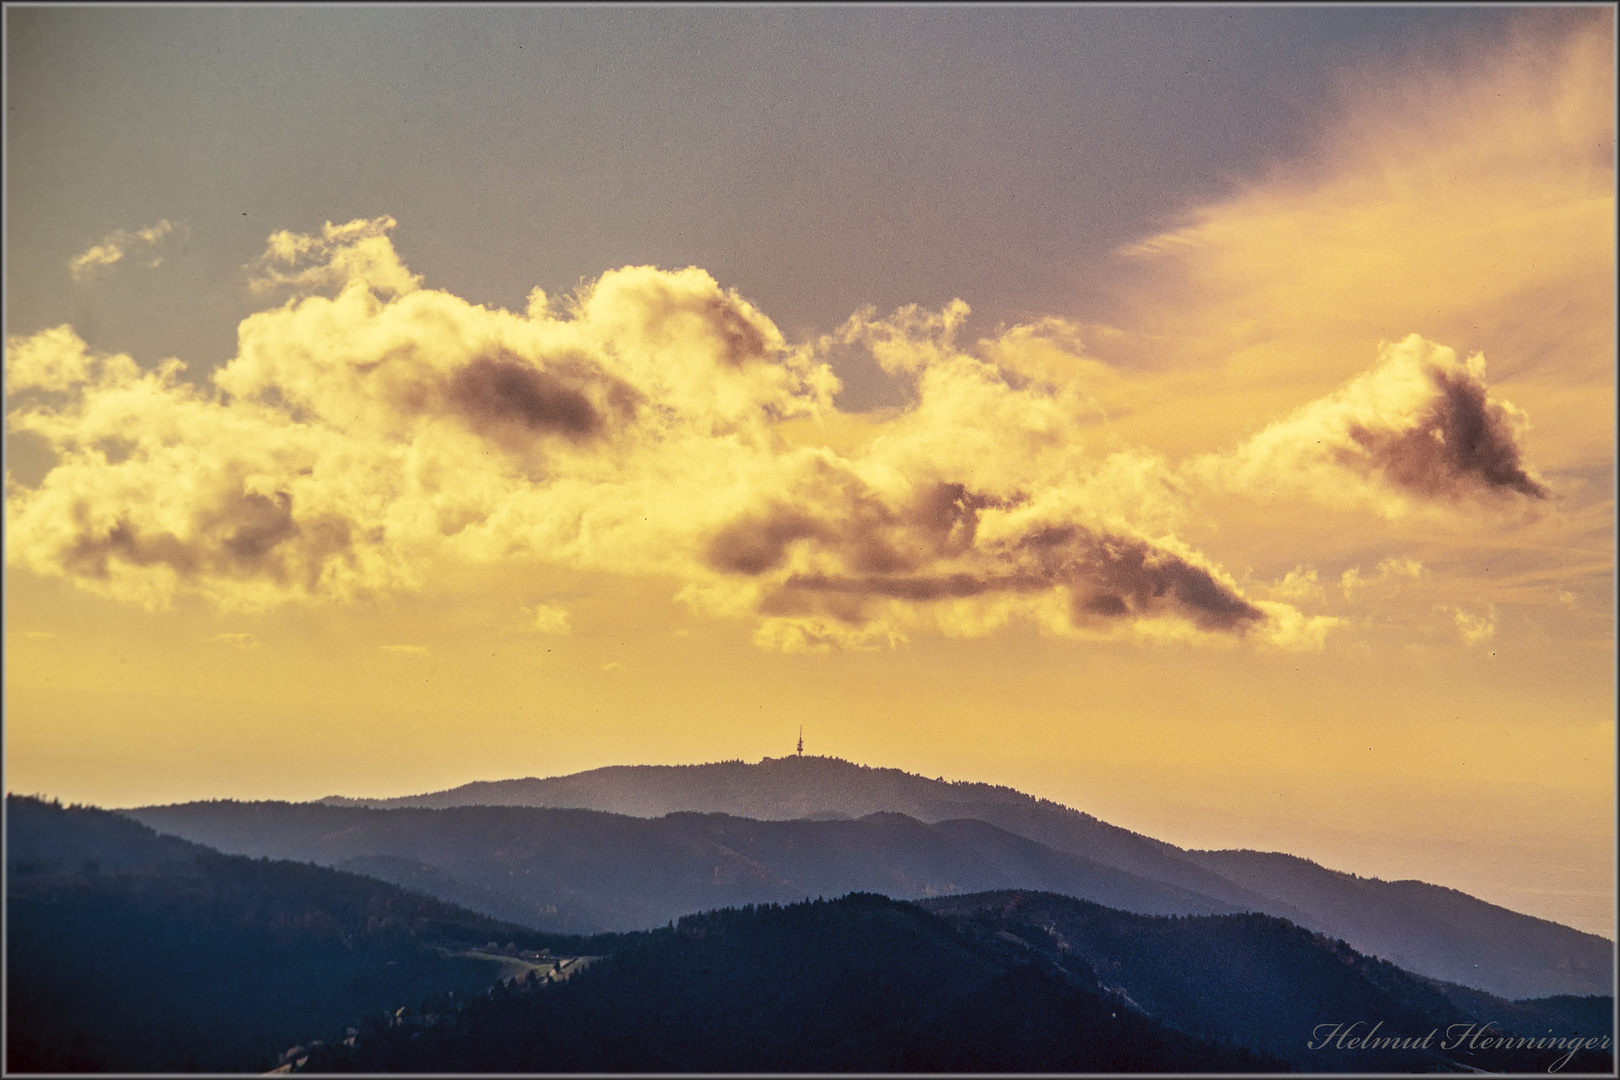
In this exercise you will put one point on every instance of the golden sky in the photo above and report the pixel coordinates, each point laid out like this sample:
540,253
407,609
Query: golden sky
1299,536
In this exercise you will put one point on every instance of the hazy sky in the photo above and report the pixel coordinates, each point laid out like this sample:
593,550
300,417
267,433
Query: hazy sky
1199,416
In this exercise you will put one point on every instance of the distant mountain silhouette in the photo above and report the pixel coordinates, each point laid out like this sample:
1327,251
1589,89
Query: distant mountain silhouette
583,871
779,789
133,952
1430,929
1438,931
1006,982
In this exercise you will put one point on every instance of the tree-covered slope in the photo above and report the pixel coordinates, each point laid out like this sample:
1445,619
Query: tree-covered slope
858,984
1003,982
1272,986
130,951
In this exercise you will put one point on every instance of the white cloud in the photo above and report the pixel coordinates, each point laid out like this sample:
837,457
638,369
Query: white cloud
1299,584
550,619
1395,566
358,251
120,242
1420,429
360,439
1475,629
54,360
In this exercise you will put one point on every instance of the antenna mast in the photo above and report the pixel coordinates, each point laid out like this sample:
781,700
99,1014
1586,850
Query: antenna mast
801,740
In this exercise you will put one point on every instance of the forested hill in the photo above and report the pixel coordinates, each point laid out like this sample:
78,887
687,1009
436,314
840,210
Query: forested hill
131,952
1266,983
49,838
1005,982
860,984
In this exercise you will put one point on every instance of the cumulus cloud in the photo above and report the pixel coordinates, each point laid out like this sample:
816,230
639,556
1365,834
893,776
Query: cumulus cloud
361,434
371,429
405,650
1421,426
237,640
55,359
118,243
1299,584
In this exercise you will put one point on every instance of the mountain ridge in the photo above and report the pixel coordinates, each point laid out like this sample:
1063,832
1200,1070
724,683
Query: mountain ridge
820,785
1426,925
573,870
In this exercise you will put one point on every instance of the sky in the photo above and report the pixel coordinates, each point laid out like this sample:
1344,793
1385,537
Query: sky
1199,416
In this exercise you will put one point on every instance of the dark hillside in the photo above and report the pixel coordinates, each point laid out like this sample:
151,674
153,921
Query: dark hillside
1560,1015
1259,981
46,837
858,984
129,951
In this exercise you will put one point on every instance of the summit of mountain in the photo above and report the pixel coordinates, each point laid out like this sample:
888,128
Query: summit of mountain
805,786
782,788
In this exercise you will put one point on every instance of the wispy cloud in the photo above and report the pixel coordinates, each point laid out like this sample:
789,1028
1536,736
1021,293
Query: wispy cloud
551,619
1390,569
404,650
113,247
357,250
1474,206
1475,629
